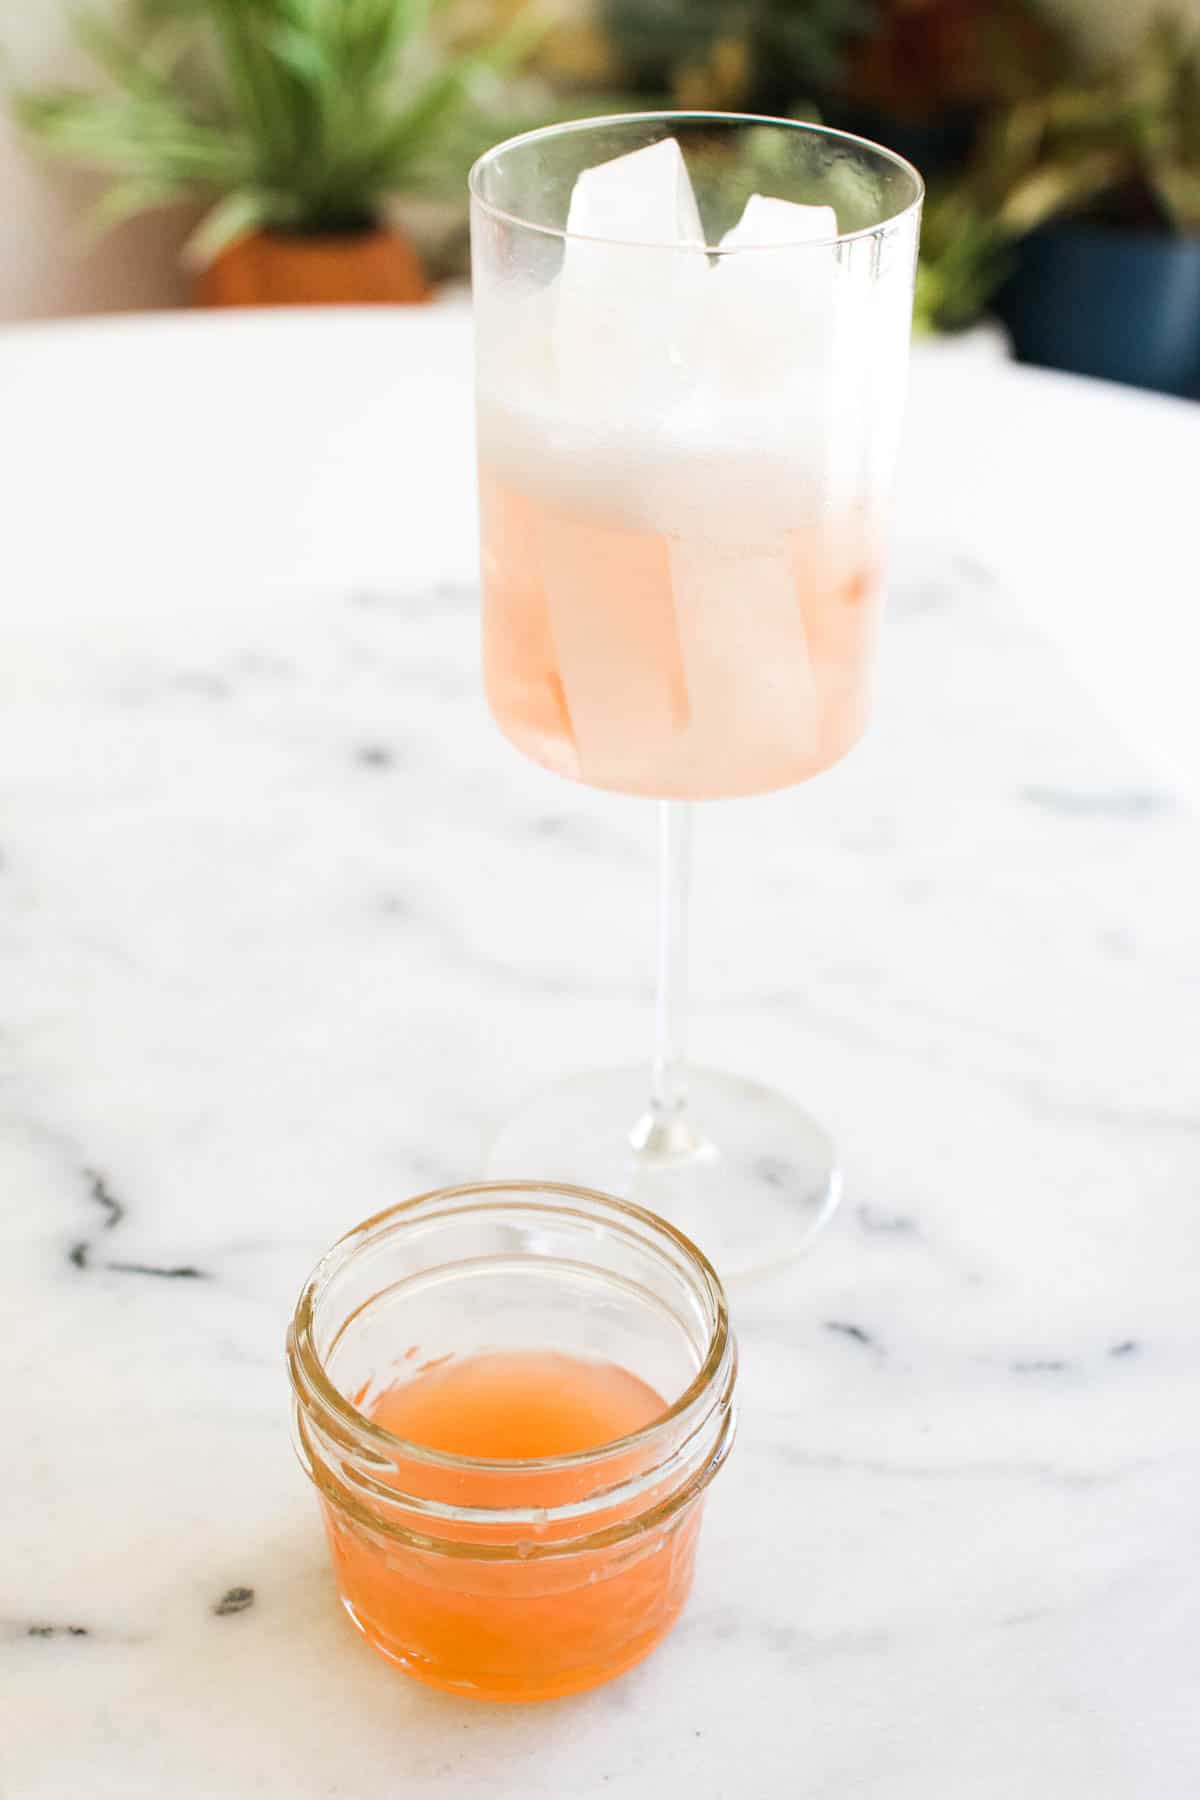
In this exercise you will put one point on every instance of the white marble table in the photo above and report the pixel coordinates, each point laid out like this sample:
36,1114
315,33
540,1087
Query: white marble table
285,929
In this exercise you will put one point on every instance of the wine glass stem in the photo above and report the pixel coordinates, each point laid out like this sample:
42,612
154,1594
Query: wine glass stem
668,1080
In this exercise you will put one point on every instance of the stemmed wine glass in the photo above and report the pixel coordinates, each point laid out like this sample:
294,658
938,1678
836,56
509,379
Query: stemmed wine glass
691,347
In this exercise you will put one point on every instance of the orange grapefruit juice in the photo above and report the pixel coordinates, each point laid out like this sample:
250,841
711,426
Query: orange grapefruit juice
517,1626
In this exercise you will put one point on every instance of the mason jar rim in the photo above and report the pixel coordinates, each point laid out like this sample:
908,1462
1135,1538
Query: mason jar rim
569,127
310,1379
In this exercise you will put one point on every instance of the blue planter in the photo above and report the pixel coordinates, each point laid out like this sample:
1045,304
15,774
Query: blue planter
1124,305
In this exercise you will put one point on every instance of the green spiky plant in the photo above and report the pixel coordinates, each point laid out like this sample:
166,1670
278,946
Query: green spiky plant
299,116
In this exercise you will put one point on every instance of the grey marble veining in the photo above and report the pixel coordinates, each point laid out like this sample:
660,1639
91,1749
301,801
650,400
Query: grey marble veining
286,930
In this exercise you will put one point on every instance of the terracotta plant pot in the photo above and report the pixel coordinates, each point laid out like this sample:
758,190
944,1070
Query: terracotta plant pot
368,268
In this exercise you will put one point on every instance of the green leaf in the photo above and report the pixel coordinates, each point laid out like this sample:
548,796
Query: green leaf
254,76
126,199
302,53
129,137
1054,189
1178,192
235,217
110,50
424,113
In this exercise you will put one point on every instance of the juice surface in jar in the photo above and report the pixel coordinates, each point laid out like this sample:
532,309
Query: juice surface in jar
518,1629
513,1406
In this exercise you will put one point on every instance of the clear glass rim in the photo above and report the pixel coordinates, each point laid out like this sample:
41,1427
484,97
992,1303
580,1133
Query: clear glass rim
311,1382
571,127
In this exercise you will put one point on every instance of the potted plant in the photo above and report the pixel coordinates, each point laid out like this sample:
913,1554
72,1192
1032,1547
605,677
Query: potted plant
1101,183
291,122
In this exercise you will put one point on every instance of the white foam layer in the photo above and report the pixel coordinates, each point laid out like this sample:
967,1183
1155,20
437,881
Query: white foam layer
670,391
687,470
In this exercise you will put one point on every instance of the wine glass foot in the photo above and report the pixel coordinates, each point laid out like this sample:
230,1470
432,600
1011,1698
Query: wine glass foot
745,1173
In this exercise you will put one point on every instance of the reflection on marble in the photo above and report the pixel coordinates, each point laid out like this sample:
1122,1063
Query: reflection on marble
285,930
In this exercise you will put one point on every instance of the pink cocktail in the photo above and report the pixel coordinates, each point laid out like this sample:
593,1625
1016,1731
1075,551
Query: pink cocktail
691,339
592,672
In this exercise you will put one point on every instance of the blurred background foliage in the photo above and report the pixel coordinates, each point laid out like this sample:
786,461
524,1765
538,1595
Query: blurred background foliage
309,115
294,116
999,102
760,57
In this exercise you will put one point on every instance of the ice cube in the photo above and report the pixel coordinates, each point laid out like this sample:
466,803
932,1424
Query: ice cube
520,662
776,301
609,596
644,197
628,310
746,663
766,221
774,293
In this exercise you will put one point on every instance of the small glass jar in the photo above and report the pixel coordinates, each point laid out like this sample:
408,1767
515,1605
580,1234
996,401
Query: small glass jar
512,1580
